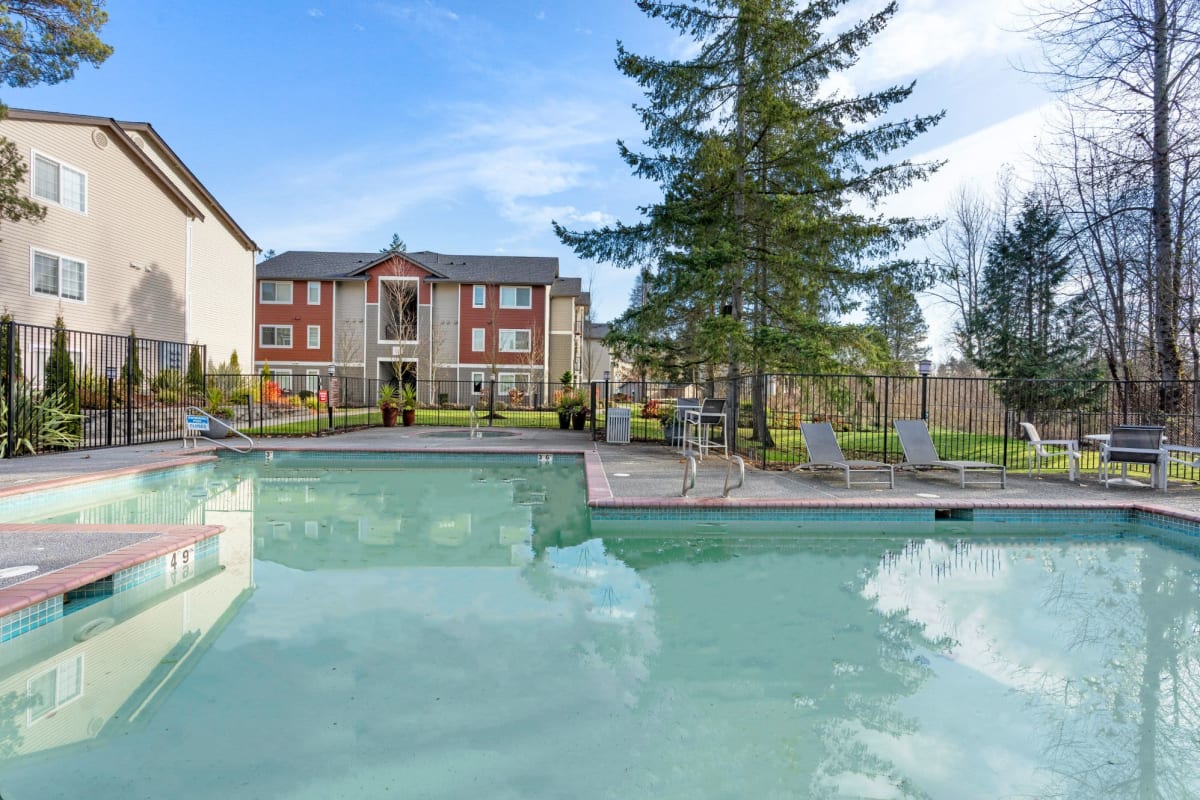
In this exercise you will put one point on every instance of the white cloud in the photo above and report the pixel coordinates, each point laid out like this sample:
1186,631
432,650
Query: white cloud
976,158
316,12
925,34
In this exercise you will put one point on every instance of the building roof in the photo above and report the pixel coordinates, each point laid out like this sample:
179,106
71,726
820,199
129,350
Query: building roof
566,287
312,265
118,134
596,330
534,270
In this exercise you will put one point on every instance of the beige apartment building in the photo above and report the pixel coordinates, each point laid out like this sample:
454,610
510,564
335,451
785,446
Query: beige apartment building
131,238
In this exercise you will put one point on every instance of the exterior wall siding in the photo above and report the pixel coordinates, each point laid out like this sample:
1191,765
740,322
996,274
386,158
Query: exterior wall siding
299,315
221,288
349,307
133,239
492,319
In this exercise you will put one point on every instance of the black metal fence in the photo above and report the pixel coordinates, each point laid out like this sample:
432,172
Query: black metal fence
969,418
62,389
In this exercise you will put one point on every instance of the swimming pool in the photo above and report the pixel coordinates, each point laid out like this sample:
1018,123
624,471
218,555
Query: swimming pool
496,645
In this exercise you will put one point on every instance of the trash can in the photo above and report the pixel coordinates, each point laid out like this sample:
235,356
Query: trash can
616,425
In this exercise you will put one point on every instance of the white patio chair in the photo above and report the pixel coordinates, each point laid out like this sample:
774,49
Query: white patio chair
1039,450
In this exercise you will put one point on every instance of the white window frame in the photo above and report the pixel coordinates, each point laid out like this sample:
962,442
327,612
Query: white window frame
34,253
477,377
308,337
314,286
478,340
263,328
284,379
276,302
312,380
511,334
506,381
62,167
381,323
69,675
514,300
479,296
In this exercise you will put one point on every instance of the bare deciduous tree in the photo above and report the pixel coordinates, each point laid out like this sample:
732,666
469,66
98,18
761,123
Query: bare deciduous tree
1131,67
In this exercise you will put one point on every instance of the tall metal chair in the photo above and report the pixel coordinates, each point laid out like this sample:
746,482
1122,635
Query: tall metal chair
698,425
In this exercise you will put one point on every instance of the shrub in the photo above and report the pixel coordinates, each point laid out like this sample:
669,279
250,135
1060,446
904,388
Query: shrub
131,373
60,380
45,422
93,391
167,380
195,370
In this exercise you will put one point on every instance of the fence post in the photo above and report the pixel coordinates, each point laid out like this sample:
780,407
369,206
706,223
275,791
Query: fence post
887,413
10,386
492,401
130,343
592,413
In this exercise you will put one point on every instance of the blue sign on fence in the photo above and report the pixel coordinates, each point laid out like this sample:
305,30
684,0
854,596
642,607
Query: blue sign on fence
197,422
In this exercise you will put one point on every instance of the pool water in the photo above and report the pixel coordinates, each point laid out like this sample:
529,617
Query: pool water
415,648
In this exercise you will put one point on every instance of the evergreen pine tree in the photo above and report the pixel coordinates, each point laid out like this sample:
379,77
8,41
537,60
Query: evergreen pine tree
8,371
756,245
1028,329
131,372
235,367
59,380
195,370
896,315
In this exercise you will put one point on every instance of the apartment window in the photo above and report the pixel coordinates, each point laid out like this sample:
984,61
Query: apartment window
476,382
398,309
283,379
54,688
275,335
479,296
279,292
58,276
312,380
516,297
58,183
314,293
508,381
514,341
314,337
477,340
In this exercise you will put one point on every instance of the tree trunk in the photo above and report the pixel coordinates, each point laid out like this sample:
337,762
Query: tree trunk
1166,275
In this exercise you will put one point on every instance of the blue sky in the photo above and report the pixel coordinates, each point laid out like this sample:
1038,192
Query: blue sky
466,126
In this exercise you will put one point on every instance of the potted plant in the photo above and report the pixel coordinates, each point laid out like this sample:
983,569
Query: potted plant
220,422
665,414
568,403
408,404
579,415
389,405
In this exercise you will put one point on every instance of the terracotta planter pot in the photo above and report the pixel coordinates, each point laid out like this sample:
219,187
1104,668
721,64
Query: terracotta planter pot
390,415
564,420
408,416
578,420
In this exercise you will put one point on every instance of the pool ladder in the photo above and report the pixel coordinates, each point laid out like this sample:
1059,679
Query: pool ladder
689,475
473,419
193,411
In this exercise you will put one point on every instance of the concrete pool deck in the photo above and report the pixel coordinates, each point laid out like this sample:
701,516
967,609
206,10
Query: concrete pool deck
650,474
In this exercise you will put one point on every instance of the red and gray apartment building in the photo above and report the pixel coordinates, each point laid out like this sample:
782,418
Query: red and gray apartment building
420,317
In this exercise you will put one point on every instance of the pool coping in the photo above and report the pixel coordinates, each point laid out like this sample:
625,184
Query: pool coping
168,539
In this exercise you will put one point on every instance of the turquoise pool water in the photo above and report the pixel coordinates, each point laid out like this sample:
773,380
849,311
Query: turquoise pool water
492,645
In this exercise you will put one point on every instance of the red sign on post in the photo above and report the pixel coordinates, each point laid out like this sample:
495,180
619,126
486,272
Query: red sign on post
322,396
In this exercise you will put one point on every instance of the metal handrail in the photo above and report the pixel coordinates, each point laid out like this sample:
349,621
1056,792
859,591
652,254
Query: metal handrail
741,465
473,421
689,471
210,417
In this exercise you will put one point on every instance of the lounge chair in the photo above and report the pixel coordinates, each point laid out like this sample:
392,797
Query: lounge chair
824,452
920,452
1135,444
1039,450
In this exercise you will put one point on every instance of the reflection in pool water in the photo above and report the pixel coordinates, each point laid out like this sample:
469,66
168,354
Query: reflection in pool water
383,642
